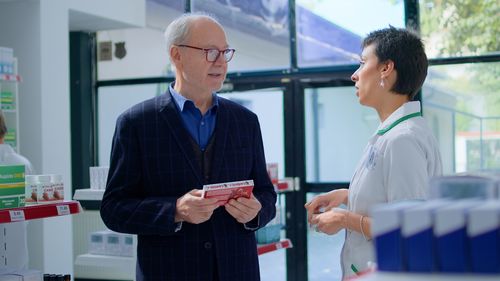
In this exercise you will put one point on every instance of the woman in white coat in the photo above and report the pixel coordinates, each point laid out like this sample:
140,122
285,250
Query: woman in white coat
401,155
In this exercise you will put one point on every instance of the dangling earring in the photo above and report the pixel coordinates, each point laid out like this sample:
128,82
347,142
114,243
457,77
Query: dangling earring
382,83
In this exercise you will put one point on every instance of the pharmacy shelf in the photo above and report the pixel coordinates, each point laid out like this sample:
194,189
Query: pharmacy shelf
124,266
40,211
128,263
389,276
89,194
266,248
10,77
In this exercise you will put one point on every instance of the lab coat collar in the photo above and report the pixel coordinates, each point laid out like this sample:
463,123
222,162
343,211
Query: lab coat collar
406,109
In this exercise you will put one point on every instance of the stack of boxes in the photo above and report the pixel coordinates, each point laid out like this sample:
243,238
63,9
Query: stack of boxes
111,243
44,189
459,232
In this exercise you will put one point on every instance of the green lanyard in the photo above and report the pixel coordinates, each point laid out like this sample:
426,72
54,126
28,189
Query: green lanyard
383,131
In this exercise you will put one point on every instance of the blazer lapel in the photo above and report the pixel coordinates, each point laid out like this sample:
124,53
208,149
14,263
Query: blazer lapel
221,131
170,115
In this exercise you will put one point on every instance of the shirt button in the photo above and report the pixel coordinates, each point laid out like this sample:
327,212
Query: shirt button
207,245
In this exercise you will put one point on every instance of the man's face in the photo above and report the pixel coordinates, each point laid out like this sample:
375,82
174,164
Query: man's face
194,72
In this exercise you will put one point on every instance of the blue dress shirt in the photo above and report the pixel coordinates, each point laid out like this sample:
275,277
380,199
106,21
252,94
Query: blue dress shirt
200,127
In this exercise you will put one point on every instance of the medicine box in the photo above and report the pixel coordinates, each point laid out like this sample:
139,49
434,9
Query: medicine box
483,231
418,237
386,232
463,187
451,237
96,242
12,186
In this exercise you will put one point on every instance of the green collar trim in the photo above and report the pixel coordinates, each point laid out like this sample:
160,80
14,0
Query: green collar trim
395,123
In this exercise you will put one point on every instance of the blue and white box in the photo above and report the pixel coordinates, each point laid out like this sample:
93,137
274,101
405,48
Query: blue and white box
483,231
386,232
418,236
451,236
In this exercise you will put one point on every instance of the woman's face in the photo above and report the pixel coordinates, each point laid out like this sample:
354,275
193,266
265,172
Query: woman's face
367,78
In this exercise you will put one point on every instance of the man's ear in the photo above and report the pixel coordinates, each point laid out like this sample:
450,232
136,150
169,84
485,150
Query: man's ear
175,55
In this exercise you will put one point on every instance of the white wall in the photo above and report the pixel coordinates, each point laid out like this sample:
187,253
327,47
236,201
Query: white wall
147,53
39,33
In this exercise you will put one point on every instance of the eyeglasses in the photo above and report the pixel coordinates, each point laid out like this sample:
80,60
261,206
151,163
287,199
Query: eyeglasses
213,54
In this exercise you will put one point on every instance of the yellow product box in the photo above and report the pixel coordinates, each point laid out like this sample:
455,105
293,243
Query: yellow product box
12,186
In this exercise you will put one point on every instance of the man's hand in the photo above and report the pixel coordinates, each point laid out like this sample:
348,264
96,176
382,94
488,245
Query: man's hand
243,209
192,208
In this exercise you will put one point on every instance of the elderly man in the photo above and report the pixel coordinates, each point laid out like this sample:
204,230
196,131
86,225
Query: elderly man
166,148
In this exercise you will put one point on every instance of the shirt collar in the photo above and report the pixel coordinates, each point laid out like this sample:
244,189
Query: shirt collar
180,100
406,109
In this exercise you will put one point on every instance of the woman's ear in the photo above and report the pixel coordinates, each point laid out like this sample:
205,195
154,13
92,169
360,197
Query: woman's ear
387,68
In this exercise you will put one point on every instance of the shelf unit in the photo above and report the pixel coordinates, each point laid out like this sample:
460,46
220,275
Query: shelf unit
123,267
40,211
9,98
126,265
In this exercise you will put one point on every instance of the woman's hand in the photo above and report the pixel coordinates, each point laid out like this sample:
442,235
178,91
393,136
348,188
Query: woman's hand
325,202
330,222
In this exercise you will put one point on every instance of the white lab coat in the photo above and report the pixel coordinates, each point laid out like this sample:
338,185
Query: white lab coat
395,166
15,232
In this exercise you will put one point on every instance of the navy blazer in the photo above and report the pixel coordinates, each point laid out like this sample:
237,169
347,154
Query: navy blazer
153,164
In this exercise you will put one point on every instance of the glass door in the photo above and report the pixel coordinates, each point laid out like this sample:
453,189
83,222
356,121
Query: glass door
268,105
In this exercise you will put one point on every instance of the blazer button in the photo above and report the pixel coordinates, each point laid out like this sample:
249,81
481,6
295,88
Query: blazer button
207,245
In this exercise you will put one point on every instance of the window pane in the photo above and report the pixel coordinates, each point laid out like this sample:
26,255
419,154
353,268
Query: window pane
323,253
330,32
112,101
337,130
462,103
258,30
138,52
460,28
268,105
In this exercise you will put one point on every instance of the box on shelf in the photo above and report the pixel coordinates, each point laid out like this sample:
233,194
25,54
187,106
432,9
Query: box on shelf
387,234
463,187
111,243
272,170
96,243
483,229
6,60
418,236
269,234
12,186
7,99
451,237
98,177
44,189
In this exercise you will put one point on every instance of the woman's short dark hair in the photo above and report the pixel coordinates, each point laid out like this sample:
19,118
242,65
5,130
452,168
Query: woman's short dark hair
406,50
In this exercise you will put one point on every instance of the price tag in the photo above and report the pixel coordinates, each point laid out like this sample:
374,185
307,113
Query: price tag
62,210
16,215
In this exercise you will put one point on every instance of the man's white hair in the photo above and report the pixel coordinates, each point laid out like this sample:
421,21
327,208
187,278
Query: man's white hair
177,31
